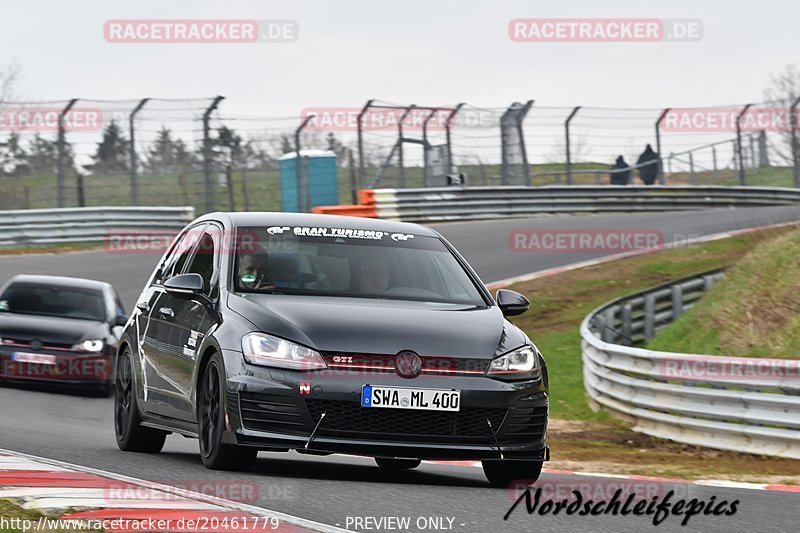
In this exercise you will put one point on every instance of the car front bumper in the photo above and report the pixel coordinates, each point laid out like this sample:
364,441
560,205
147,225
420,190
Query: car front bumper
280,409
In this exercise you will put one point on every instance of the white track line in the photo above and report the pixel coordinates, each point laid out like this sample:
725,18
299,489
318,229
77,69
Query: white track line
257,511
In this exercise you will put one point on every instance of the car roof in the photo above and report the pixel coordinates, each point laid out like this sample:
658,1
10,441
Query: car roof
60,281
239,219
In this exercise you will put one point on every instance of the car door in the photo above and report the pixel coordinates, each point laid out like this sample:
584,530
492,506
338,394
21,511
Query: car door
153,325
189,323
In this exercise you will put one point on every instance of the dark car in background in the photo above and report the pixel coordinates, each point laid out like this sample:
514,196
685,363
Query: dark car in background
59,330
327,334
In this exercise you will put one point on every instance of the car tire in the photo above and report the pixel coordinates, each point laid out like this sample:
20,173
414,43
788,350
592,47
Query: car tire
390,463
211,423
502,473
131,435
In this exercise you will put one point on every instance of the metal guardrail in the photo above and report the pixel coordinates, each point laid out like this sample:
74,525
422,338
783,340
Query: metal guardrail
30,227
472,203
731,403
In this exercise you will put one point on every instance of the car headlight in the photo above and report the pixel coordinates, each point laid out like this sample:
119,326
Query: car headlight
90,346
520,364
266,350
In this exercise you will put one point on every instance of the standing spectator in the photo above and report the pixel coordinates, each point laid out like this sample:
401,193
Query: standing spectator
648,166
620,173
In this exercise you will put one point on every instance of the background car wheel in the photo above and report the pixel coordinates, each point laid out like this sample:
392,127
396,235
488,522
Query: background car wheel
390,463
211,424
131,435
502,473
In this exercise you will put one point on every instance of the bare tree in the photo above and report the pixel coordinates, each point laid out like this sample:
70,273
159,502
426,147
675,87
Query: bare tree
9,78
782,91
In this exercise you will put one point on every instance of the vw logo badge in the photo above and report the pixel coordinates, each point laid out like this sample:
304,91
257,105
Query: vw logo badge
36,344
408,364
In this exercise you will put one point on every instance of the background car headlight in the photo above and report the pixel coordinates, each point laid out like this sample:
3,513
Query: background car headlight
522,363
90,346
263,349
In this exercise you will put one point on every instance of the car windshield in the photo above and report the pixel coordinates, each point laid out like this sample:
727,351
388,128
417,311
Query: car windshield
350,263
51,300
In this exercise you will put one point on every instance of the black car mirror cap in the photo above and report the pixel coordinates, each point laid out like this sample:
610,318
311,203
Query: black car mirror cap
187,287
120,320
511,303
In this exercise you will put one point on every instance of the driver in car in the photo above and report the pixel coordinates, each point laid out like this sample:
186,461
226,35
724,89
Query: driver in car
372,275
252,274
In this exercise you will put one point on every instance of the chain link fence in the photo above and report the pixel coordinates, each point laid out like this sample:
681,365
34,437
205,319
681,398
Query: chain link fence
192,152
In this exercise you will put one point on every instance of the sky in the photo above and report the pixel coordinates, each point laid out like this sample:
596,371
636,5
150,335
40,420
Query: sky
430,52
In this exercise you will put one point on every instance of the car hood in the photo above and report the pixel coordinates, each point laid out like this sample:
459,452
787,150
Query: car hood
50,329
360,325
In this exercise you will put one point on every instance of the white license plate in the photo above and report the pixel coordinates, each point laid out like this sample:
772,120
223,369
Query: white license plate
405,398
36,358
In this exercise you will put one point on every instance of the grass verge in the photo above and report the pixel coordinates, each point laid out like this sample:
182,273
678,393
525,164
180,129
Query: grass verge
586,440
752,312
17,518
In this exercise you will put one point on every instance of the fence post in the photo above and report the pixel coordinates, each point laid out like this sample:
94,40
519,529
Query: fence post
207,159
360,127
742,171
627,314
795,148
62,152
302,185
425,170
692,177
763,151
567,144
714,160
447,127
134,163
677,301
608,333
526,168
649,316
401,168
658,146
512,118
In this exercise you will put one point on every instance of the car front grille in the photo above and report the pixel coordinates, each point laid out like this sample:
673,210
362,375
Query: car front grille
44,345
385,363
349,419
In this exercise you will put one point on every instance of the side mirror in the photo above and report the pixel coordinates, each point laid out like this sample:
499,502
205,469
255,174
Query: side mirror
185,286
511,303
120,320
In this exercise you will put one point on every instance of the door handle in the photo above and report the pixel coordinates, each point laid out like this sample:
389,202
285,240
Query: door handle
143,306
167,312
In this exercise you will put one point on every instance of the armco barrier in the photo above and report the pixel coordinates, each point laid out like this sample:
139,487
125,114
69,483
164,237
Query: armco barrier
732,403
474,203
29,227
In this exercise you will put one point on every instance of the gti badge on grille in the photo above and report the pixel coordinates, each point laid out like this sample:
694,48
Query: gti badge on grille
408,364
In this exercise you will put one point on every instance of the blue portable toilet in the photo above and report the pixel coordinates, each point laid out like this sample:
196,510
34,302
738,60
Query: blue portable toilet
319,180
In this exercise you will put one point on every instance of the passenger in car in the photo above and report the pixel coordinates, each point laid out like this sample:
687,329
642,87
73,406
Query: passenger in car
252,273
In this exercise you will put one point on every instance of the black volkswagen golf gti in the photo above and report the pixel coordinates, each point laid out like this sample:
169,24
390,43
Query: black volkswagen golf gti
328,334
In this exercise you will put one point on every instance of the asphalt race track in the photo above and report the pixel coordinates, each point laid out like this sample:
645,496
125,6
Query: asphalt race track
76,429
